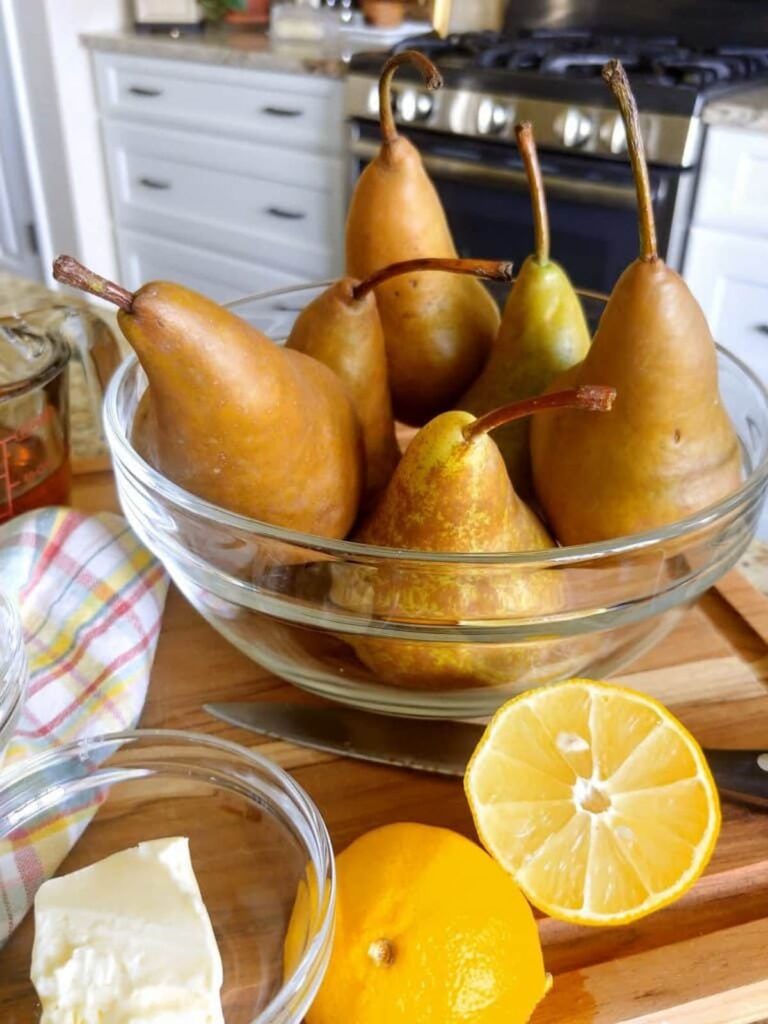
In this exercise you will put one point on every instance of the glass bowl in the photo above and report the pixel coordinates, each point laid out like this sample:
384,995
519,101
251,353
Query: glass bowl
303,607
14,670
256,841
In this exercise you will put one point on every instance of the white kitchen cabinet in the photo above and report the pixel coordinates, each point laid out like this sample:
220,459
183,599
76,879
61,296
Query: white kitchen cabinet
733,191
243,199
726,264
148,258
228,180
299,111
728,273
18,245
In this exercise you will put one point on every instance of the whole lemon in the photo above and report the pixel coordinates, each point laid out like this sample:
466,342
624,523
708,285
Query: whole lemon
429,930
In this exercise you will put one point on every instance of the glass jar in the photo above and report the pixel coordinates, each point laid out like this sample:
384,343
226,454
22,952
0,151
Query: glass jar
35,352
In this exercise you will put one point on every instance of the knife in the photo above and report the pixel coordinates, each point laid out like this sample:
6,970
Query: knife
442,747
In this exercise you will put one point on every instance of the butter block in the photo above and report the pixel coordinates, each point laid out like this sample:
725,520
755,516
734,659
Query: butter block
127,940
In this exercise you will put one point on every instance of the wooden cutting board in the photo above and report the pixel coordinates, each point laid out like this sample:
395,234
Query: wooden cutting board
703,960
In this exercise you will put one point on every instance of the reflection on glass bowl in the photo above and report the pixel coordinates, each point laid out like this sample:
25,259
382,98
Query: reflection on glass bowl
304,607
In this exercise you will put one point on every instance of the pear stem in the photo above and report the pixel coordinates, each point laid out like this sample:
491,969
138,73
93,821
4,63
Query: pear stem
432,79
526,143
490,270
589,397
616,77
69,271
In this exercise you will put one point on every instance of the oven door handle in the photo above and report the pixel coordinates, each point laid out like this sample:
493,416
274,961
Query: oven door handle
605,193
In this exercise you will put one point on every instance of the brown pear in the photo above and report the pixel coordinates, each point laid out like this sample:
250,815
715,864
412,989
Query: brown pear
342,329
451,493
249,426
543,332
438,330
668,448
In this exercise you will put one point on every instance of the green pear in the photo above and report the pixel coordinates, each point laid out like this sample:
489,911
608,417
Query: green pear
543,332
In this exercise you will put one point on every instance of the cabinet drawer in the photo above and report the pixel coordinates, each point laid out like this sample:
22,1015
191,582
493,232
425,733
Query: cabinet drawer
299,111
145,258
241,198
728,274
733,189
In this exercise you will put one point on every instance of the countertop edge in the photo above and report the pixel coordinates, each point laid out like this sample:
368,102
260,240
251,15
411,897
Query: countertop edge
259,54
745,109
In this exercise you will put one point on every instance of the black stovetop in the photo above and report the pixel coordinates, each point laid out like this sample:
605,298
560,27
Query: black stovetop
566,63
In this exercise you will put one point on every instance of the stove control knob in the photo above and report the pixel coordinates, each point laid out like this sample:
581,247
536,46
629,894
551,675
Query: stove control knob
574,128
492,117
614,135
413,105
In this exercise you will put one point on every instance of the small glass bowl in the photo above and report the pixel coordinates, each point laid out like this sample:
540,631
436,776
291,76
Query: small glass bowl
256,841
14,670
305,607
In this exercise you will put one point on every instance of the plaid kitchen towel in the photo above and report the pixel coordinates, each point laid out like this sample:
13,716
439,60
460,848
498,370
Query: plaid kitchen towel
91,599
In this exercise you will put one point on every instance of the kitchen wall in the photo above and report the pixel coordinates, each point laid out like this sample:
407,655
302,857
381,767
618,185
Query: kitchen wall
59,123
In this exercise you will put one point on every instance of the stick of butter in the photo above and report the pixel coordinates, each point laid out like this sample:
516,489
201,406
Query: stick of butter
127,940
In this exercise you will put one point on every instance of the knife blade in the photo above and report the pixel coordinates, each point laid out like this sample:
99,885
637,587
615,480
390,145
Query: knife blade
441,747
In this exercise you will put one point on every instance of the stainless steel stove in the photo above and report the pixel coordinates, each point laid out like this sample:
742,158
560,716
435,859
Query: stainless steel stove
550,75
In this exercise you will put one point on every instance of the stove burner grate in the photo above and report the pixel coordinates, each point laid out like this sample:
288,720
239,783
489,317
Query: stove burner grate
657,60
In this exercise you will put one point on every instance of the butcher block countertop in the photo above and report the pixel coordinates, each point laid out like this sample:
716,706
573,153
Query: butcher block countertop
703,960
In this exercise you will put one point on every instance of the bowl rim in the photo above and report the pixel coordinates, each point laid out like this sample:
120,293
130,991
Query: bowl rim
15,775
130,461
13,656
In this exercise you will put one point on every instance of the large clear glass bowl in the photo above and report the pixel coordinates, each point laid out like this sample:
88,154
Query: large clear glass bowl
302,606
260,851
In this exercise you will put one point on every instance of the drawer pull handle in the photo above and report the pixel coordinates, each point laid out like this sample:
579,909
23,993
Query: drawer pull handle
281,112
276,211
154,183
761,328
140,90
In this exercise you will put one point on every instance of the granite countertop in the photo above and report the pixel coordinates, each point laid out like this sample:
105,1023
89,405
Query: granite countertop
242,49
747,108
19,295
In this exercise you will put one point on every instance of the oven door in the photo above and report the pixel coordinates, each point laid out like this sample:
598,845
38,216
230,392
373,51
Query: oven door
592,206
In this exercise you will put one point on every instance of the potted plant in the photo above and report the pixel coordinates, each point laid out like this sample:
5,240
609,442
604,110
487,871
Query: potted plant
238,12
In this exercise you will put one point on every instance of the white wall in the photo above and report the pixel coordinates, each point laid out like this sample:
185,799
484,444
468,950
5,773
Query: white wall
60,125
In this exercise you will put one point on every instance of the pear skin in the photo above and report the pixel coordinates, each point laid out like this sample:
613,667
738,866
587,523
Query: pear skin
346,335
441,498
668,448
438,330
451,493
144,431
342,329
543,333
245,424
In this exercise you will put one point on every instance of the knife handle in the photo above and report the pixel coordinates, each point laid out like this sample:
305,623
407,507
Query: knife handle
741,775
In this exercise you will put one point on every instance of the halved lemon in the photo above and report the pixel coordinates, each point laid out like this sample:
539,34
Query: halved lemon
596,799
